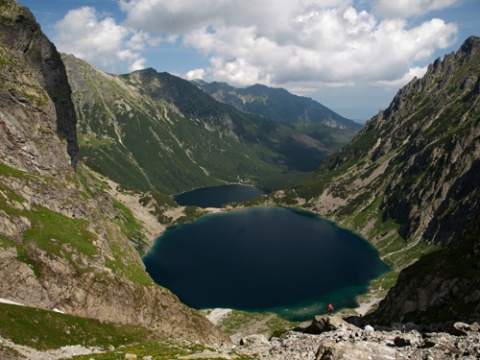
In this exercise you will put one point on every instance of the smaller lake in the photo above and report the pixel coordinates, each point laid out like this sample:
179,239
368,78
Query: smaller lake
216,196
264,259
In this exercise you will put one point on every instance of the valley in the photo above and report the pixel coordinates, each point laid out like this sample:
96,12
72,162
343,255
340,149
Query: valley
90,163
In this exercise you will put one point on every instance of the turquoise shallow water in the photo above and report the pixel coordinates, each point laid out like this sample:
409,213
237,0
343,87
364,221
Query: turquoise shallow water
264,259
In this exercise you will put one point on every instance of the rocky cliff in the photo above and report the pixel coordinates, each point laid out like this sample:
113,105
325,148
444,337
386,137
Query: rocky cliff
42,71
410,181
64,241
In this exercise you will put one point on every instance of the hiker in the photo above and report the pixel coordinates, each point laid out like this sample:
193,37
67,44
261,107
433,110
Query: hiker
330,309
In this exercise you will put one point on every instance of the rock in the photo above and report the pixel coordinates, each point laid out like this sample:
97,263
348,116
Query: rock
368,329
326,351
130,356
401,342
324,323
254,339
460,329
475,326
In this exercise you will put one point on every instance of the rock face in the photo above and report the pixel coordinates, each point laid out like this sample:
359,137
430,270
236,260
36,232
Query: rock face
438,290
41,90
411,179
416,163
63,239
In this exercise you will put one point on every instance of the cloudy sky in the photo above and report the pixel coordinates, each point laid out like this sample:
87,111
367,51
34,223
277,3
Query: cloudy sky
350,55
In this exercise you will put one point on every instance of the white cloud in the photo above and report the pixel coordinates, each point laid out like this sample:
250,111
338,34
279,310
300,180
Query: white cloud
100,41
408,8
195,74
332,46
294,44
415,72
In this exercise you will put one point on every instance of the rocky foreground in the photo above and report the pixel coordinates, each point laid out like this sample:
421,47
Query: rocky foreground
330,338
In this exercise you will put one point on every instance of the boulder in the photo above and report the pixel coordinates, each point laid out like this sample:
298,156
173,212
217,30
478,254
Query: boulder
255,339
460,329
401,342
324,323
327,351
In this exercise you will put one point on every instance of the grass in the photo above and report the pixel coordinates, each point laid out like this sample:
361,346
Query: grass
166,349
269,324
60,235
131,270
44,330
52,232
130,227
385,282
10,171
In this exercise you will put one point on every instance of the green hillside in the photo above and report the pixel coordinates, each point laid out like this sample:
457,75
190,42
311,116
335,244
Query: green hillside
152,130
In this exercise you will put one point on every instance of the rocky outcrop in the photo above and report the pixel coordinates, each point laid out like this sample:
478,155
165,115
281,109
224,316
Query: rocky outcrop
25,45
415,163
350,342
321,324
438,290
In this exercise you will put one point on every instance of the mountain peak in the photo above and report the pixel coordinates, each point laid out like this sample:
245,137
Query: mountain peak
277,104
471,45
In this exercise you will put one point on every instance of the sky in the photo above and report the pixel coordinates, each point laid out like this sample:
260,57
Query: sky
350,55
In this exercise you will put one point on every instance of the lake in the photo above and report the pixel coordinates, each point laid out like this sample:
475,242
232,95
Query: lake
216,196
264,259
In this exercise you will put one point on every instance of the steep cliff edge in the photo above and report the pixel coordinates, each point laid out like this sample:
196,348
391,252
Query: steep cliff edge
64,242
24,44
409,182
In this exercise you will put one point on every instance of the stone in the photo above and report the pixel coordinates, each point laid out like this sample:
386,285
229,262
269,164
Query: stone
460,329
401,342
256,339
368,329
324,323
326,351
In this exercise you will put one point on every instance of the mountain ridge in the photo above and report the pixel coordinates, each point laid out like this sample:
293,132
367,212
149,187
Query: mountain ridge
409,179
125,118
276,104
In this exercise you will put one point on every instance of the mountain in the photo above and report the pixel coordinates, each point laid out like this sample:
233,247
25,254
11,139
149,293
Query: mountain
410,183
156,131
65,242
276,104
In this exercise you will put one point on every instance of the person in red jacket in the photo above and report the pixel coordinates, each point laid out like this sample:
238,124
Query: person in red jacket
330,309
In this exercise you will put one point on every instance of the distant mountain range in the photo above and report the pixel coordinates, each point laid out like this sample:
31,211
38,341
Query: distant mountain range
276,104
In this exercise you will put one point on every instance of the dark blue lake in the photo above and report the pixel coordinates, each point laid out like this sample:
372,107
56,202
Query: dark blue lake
217,196
264,259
